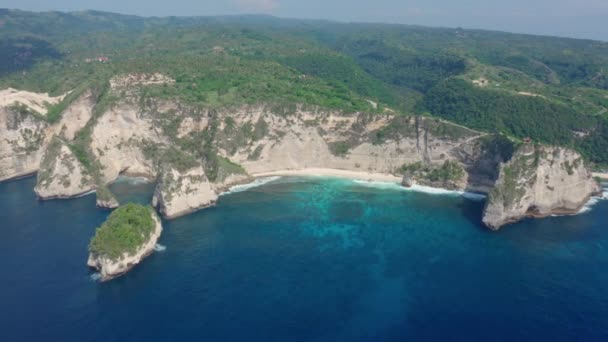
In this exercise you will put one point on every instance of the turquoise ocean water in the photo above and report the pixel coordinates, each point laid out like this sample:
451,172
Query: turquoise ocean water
306,259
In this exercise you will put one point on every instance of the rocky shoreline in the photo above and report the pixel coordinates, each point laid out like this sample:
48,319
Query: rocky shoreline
109,269
154,140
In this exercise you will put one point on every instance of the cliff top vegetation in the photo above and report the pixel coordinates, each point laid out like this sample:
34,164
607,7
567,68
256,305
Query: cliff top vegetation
126,229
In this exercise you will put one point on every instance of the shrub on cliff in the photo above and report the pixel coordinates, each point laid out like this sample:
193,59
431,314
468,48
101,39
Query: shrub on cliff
125,230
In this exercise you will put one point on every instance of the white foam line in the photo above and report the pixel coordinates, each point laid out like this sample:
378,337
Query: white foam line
254,184
593,201
421,188
378,184
438,191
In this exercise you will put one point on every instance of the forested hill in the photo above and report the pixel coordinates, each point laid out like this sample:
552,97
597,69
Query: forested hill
554,90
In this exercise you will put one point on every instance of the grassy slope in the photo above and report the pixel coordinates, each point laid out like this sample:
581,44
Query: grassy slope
223,61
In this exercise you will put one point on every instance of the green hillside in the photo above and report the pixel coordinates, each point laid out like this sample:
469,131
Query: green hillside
554,90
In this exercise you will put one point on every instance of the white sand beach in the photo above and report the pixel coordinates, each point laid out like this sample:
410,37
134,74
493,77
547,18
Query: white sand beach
320,172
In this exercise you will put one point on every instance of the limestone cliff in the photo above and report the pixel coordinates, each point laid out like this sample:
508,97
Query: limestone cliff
25,130
179,193
111,268
182,192
539,181
196,153
61,174
22,136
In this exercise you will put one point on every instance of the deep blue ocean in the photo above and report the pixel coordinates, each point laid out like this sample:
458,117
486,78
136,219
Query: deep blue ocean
306,260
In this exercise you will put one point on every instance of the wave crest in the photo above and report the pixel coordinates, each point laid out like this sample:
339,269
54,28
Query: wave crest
254,184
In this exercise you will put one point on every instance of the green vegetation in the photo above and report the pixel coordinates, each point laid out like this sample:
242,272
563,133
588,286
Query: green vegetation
126,229
226,168
553,90
449,171
522,167
47,163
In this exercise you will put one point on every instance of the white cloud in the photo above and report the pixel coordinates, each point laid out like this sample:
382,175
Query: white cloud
258,5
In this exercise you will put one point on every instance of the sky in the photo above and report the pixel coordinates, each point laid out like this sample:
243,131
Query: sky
566,18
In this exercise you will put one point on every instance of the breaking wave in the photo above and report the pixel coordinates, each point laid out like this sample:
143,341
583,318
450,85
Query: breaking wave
594,200
421,188
254,184
159,248
379,184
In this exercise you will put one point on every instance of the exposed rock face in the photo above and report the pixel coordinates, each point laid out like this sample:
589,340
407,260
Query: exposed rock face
109,269
358,142
22,137
110,203
24,133
196,154
539,181
61,174
181,192
116,141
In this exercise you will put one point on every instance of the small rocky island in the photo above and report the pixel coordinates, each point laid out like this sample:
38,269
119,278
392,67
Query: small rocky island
124,240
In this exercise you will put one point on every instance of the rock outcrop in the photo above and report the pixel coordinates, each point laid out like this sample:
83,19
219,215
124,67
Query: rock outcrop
179,193
25,131
110,268
61,174
539,181
195,153
22,137
105,198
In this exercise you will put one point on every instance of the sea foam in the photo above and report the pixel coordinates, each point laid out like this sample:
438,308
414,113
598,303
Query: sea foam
421,188
254,184
594,200
379,184
159,248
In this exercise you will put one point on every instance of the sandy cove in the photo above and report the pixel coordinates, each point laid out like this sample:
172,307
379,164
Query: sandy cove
320,172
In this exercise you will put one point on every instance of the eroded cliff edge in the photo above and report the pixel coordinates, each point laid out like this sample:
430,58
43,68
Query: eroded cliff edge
197,153
539,181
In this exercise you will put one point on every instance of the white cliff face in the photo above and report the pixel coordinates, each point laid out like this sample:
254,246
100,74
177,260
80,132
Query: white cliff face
143,140
537,182
116,142
109,269
179,193
22,138
61,174
377,143
35,101
75,117
25,135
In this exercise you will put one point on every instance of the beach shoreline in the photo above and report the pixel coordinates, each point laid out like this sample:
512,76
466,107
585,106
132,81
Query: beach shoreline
337,173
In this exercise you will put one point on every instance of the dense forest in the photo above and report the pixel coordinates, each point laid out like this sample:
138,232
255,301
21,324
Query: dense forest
553,90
